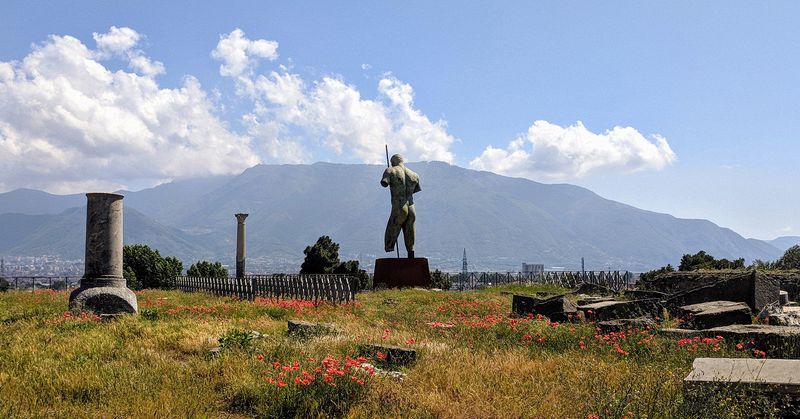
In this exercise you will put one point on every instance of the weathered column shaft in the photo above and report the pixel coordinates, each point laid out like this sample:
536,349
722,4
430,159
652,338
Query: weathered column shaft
103,257
240,245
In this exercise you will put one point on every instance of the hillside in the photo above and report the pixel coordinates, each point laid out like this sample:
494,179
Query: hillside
501,221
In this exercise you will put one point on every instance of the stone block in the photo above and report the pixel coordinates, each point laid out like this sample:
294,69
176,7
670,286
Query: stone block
644,294
776,379
302,328
776,341
621,325
755,289
789,316
558,308
589,299
401,272
715,314
389,355
611,310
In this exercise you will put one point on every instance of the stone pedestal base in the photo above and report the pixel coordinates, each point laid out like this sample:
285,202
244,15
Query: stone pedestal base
401,272
104,300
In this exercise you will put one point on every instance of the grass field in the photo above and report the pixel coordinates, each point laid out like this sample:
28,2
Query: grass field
473,361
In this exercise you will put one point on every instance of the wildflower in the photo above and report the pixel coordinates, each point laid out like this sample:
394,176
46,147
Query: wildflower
260,357
382,356
276,365
411,341
760,353
740,346
281,383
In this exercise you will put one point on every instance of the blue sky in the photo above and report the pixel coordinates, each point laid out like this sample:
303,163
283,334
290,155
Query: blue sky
705,95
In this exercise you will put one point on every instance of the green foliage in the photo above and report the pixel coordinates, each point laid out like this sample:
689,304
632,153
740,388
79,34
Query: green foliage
440,280
790,258
702,260
206,269
146,268
149,314
236,338
647,276
4,285
323,257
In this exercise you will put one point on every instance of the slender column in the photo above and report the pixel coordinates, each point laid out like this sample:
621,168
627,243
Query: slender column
240,244
102,288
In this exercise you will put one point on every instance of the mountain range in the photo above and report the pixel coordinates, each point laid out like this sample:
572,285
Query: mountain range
500,221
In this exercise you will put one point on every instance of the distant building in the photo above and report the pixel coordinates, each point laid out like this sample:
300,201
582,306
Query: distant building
532,268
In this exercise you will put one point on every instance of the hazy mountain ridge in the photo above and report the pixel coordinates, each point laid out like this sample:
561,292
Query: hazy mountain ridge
501,221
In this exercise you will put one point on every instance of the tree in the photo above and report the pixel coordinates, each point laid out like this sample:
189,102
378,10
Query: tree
206,269
702,260
146,268
790,258
323,257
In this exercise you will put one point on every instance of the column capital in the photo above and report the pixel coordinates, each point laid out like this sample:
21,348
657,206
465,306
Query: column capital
241,217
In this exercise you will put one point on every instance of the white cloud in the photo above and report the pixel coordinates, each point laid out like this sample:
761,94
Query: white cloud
116,40
68,123
551,152
238,54
328,115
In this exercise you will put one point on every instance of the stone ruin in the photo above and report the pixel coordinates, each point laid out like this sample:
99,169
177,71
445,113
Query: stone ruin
708,304
102,289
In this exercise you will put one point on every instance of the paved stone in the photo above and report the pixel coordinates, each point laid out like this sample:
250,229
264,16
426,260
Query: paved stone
715,314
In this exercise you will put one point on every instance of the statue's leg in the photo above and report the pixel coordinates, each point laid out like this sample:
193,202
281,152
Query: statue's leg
410,230
393,227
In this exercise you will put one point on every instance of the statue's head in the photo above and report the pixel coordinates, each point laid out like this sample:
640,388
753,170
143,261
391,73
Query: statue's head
397,160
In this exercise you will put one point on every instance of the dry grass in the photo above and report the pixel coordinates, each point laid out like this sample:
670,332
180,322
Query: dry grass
473,360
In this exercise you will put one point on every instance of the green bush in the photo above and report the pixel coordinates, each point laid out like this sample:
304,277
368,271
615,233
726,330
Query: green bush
144,267
323,257
440,280
206,269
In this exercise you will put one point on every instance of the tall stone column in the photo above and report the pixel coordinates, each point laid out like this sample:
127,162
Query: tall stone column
103,288
240,244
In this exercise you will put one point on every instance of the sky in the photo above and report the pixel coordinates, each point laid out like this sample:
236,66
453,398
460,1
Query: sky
682,107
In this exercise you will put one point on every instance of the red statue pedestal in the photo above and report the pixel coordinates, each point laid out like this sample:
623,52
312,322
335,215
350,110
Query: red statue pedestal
401,272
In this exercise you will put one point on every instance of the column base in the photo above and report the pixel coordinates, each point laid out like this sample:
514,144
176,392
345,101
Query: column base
104,300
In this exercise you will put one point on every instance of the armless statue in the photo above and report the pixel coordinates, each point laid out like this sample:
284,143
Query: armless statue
403,184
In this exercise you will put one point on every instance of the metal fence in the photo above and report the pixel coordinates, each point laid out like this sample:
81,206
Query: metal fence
328,287
616,280
33,283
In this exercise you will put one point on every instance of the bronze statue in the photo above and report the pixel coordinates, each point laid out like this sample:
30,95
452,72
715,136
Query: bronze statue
403,183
